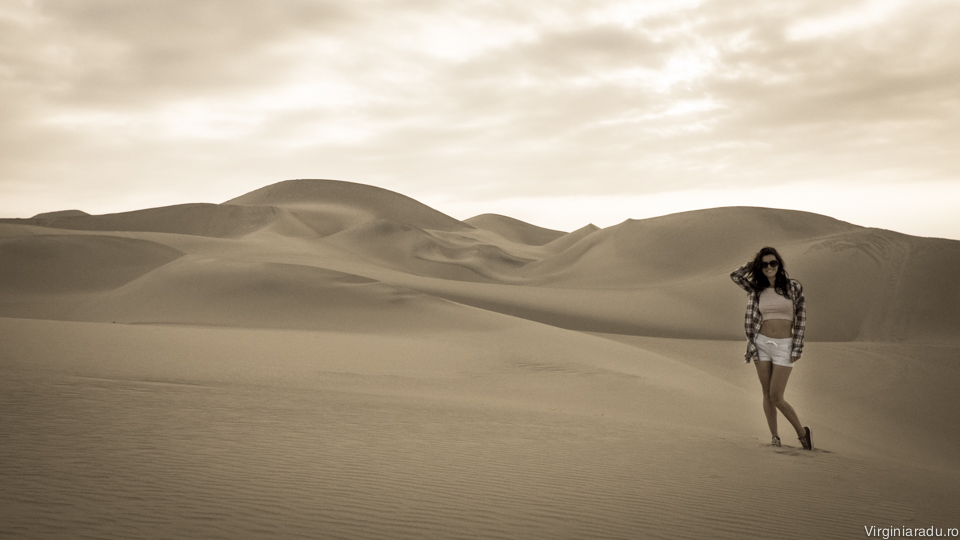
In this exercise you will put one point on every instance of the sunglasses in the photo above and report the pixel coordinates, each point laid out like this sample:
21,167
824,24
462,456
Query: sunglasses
771,264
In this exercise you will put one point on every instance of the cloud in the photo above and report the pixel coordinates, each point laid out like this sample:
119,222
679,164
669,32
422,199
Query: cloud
852,101
474,99
116,52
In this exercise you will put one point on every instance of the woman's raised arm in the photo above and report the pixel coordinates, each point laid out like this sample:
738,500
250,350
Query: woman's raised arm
739,276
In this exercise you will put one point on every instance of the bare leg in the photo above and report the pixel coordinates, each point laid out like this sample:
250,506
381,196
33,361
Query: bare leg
769,410
778,384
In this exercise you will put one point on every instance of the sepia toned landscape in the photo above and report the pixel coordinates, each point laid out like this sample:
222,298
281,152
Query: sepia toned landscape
511,315
326,359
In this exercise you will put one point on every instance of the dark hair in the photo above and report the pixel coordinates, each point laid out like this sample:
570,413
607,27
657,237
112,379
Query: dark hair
760,281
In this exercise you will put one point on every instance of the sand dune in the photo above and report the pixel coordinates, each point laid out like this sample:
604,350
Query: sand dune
321,206
347,203
562,243
667,275
203,291
892,286
47,276
463,257
514,229
678,246
860,283
193,219
325,359
60,214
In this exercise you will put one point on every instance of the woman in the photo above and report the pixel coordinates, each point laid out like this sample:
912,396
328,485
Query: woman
774,321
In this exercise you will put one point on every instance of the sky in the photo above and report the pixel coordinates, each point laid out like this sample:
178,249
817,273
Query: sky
556,112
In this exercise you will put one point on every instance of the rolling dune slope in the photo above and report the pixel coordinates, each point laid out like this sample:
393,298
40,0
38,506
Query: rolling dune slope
514,229
337,205
48,276
203,291
60,214
193,219
666,276
678,246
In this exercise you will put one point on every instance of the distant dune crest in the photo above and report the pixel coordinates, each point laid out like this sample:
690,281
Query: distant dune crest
664,276
351,203
514,229
60,214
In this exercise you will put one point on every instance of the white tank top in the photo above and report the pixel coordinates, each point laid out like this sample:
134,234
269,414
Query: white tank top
774,306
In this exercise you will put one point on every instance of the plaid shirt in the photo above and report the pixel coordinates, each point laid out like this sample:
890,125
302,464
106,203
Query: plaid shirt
752,320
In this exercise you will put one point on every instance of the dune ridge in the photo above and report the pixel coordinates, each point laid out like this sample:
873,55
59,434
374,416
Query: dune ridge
514,229
199,219
352,203
60,214
667,275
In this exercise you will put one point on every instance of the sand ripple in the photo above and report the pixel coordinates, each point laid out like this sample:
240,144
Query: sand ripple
103,458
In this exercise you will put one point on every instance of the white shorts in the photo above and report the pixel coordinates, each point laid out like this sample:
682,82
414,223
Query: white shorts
775,350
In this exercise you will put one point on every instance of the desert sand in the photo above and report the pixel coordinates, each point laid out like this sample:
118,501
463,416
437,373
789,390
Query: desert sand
323,359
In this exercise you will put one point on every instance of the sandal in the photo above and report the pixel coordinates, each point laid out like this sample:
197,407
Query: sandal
807,440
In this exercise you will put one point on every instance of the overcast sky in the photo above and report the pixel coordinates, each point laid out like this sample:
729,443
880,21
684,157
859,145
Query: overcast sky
556,112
